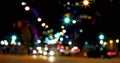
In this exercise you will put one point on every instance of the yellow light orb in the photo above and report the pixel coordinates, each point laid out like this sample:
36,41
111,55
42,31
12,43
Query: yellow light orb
111,41
46,26
105,43
48,31
62,27
86,2
67,15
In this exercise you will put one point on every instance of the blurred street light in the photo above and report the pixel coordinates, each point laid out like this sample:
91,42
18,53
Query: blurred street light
62,27
23,3
46,26
39,19
64,31
101,42
81,30
4,42
66,20
13,40
43,24
70,43
105,43
27,8
111,41
117,40
14,37
86,3
101,36
74,21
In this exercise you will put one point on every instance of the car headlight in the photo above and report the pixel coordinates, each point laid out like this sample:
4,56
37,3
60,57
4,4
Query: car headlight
40,51
51,53
46,48
45,53
34,52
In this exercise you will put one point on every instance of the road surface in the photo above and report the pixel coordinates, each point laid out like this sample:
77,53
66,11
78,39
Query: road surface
53,59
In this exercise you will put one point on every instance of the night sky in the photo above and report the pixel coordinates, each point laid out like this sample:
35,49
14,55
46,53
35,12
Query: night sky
51,11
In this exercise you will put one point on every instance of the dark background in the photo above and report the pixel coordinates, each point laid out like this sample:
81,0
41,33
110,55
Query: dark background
51,12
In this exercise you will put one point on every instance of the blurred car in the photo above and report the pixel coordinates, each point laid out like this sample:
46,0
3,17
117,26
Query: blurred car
43,51
48,51
37,51
74,49
65,50
111,53
101,53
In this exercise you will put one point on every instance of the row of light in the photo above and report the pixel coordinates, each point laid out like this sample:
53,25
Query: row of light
28,8
110,41
67,18
6,43
85,3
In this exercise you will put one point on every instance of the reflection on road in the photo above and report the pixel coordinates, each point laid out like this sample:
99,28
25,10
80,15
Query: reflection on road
51,59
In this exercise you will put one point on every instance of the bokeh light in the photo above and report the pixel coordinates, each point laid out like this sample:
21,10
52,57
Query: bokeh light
39,19
27,8
23,3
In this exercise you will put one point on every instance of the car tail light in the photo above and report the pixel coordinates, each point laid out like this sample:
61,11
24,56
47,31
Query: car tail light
109,53
114,53
62,50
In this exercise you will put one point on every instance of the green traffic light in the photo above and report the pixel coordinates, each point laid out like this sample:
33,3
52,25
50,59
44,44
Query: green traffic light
14,37
101,36
67,20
